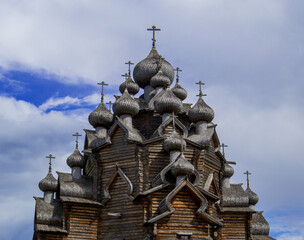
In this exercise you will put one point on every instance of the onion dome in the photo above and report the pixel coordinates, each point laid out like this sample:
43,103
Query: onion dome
201,112
49,183
180,92
126,104
259,225
228,171
132,87
148,67
160,80
76,159
168,102
182,167
101,116
253,197
174,142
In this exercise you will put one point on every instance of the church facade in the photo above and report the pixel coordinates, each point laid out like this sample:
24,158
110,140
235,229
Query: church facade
152,169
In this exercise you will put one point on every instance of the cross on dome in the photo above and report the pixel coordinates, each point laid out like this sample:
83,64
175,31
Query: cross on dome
110,105
223,148
102,89
177,73
154,29
247,173
200,83
129,63
50,161
77,135
125,75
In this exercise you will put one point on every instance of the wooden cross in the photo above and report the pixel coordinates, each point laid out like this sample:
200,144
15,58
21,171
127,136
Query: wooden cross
247,173
200,83
50,163
102,90
129,63
153,39
77,135
110,105
177,75
223,148
125,75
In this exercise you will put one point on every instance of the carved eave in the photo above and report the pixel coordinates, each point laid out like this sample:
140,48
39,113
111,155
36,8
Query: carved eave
211,182
159,131
166,207
151,190
132,134
161,177
106,191
79,200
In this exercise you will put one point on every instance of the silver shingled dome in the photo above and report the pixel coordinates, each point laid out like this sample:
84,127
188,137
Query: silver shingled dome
147,68
201,112
132,87
160,80
126,104
76,159
180,92
253,197
168,103
174,142
228,170
48,184
101,116
182,167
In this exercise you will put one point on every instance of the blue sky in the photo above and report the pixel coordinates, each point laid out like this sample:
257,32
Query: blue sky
249,53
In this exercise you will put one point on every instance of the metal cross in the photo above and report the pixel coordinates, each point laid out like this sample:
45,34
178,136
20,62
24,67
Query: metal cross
247,173
223,148
77,135
200,83
129,63
50,163
102,90
110,105
153,39
177,75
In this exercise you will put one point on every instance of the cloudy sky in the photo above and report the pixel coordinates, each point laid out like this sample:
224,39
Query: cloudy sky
249,53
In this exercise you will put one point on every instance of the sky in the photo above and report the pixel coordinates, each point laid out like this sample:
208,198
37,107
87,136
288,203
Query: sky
249,53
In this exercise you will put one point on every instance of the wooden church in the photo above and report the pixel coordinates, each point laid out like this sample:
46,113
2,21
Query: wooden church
152,169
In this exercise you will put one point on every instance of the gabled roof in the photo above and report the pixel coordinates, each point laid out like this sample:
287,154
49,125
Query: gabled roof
159,131
166,207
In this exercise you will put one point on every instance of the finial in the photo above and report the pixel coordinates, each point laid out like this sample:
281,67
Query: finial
223,148
129,63
153,39
110,105
177,75
102,85
200,83
50,162
247,173
77,135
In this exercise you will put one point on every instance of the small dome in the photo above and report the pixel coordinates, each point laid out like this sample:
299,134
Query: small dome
174,142
160,80
253,197
168,102
101,116
132,87
48,184
126,104
228,171
180,92
182,167
201,112
147,68
76,159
